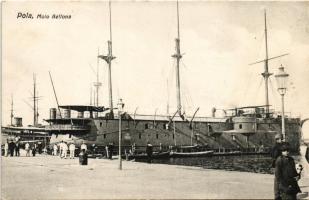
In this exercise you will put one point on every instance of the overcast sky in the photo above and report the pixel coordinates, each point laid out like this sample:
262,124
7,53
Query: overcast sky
218,39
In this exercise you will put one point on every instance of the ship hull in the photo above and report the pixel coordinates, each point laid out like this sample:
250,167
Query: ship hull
218,134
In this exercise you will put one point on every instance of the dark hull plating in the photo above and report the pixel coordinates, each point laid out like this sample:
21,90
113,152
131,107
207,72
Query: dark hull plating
226,133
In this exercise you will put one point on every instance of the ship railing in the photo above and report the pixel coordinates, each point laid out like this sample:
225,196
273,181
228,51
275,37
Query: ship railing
157,148
67,127
243,150
129,149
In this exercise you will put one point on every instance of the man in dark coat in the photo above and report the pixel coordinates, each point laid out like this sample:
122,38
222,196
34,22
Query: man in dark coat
275,153
307,153
149,152
286,174
111,149
17,147
11,148
34,149
40,147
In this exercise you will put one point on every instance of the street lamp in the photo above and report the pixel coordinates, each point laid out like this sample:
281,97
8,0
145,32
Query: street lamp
282,79
120,108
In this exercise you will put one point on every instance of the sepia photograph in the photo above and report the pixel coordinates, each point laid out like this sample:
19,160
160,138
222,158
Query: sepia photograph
154,99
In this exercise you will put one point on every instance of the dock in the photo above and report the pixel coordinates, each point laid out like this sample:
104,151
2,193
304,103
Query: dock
49,177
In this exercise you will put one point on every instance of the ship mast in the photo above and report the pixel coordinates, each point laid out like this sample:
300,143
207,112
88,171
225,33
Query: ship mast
97,84
34,101
266,73
108,58
178,56
12,115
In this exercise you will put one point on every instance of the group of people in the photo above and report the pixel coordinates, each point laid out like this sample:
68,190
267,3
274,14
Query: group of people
62,149
286,173
12,148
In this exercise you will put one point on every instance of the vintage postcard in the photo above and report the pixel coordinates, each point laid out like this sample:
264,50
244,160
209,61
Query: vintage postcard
154,99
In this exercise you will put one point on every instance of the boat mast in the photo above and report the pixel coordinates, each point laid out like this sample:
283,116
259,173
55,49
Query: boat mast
34,101
178,56
266,73
12,115
90,96
97,84
168,99
108,60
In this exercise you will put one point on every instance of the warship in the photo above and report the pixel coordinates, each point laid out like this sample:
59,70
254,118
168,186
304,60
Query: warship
34,133
241,128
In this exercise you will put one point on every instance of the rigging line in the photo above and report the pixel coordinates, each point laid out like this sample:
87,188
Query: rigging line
247,87
275,97
185,83
184,96
92,69
55,94
172,72
185,66
186,91
190,97
258,90
261,43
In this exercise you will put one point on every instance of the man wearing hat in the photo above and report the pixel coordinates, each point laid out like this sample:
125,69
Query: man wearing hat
307,153
275,153
149,152
286,174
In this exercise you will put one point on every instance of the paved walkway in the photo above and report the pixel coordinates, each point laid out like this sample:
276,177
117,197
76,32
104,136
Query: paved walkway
49,177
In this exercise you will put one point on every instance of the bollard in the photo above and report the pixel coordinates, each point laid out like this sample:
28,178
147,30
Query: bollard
83,158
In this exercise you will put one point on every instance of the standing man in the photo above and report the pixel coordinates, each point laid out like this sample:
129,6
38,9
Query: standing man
40,147
6,148
307,153
94,149
83,146
11,148
275,153
72,150
55,148
17,147
133,149
111,149
149,152
64,150
27,148
286,174
61,149
34,149
107,150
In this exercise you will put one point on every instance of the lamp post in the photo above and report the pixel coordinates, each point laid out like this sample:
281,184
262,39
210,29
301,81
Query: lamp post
120,107
282,78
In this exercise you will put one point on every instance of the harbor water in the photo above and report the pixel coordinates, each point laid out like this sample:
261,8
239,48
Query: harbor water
245,163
